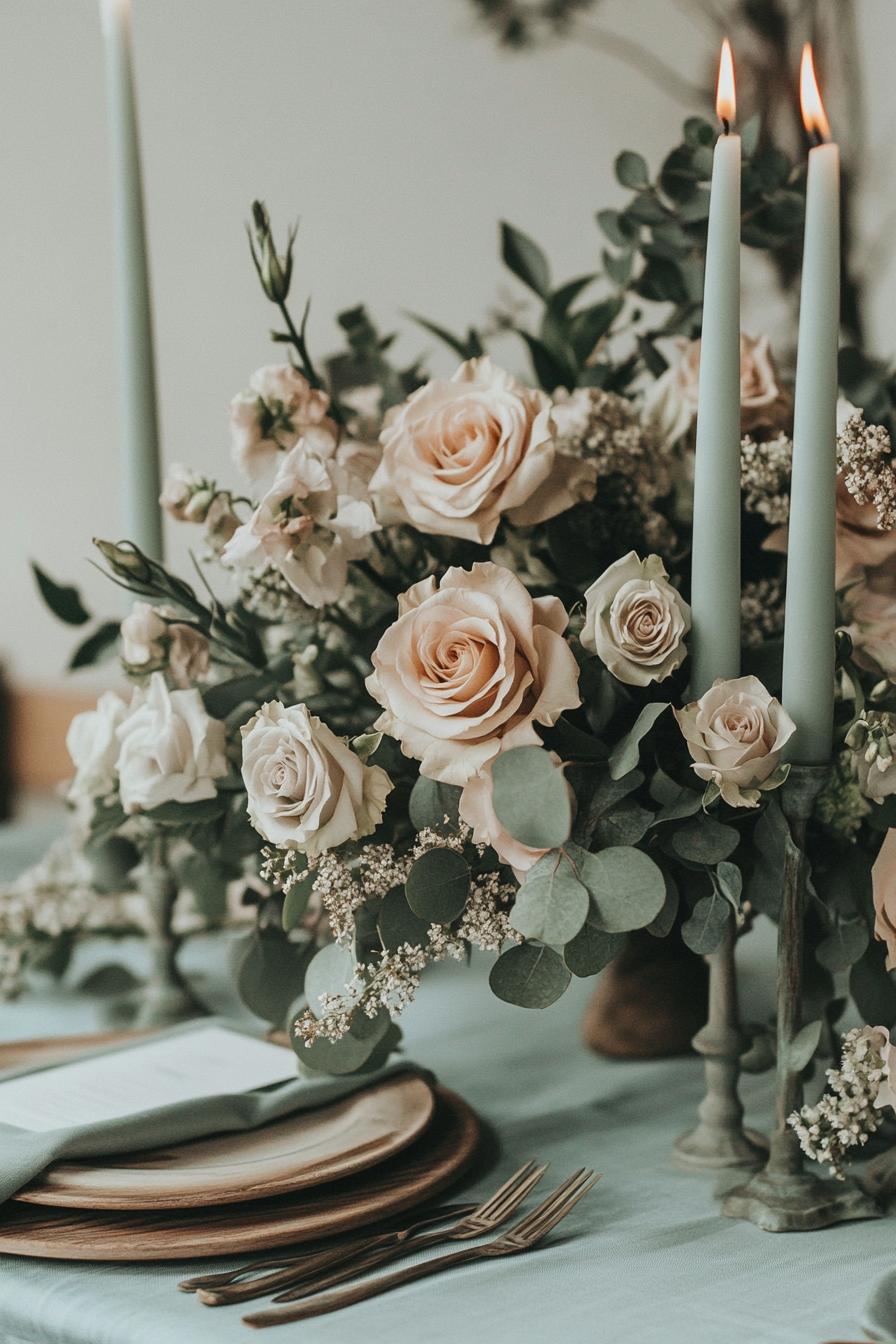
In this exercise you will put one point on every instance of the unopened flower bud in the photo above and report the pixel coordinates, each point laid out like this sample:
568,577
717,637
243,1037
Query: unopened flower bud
274,271
125,559
196,510
843,645
857,735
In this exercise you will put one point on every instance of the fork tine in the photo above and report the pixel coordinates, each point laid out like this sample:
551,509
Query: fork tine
513,1198
541,1226
548,1204
507,1188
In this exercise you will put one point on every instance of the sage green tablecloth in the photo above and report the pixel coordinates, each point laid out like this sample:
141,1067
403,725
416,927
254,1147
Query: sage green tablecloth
646,1259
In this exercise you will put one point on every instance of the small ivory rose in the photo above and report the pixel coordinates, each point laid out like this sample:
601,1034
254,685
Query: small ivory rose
143,634
476,808
470,666
310,524
186,495
171,751
459,454
636,622
279,408
670,405
92,743
735,733
306,788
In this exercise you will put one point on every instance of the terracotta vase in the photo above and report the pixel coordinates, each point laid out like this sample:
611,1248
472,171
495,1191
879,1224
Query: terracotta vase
650,1002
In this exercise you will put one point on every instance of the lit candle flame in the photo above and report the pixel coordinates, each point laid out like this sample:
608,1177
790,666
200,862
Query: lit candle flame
814,117
725,104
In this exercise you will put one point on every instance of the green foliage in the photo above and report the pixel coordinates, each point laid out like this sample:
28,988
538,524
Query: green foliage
329,971
206,876
592,948
95,647
438,885
367,1042
844,945
531,797
705,840
623,825
433,805
627,887
552,904
270,973
704,930
525,258
63,600
295,902
661,927
624,756
873,987
529,975
397,923
111,861
803,1046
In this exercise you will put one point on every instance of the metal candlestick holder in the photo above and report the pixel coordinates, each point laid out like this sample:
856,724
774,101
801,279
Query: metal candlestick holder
165,998
719,1139
783,1197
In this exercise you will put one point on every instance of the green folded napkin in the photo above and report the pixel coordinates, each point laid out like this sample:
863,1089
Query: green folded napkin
24,1153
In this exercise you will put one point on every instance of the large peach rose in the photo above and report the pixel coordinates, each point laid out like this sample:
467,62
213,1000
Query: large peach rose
460,454
470,666
671,403
735,733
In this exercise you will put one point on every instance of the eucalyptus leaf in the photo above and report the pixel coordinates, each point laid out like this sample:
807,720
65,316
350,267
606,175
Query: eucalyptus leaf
434,805
626,886
623,825
704,930
844,945
329,971
351,1052
531,797
111,861
295,902
525,258
592,948
398,924
705,840
731,882
63,600
270,973
803,1046
438,885
552,903
661,927
551,369
591,325
206,878
621,231
631,170
529,975
624,756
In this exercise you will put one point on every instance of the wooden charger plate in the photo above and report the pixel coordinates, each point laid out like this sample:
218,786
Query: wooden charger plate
429,1165
293,1153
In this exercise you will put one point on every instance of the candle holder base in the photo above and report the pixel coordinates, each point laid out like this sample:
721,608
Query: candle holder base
798,1202
705,1148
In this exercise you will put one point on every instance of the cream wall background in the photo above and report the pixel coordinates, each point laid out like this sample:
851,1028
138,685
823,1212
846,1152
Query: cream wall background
396,130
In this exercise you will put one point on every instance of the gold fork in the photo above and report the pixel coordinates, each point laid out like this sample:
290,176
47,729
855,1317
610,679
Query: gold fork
485,1218
532,1229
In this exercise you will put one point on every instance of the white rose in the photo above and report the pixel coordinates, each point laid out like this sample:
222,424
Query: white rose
306,788
635,621
171,751
735,733
143,634
92,743
459,454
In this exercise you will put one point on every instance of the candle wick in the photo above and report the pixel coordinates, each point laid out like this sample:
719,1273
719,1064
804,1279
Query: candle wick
726,126
817,137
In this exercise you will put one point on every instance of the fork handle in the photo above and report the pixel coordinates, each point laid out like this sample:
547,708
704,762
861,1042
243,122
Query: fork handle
375,1259
360,1292
264,1284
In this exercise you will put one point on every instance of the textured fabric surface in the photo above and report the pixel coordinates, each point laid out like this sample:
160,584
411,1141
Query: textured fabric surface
645,1259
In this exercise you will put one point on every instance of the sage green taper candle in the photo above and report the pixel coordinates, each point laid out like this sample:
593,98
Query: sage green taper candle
138,419
809,616
715,562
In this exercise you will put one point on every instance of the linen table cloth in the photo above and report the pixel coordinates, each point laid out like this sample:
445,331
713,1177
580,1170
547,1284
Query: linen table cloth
646,1258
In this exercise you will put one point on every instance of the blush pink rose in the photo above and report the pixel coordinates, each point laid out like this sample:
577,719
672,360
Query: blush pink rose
460,454
735,733
470,666
279,408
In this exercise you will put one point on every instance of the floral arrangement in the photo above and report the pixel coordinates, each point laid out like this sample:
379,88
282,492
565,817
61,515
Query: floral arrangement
432,693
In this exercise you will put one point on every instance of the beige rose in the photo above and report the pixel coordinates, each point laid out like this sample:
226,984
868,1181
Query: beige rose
886,1095
477,809
279,408
635,621
670,405
460,454
469,667
735,733
306,788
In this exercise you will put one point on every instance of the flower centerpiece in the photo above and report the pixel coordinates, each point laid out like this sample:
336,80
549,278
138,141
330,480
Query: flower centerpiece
430,692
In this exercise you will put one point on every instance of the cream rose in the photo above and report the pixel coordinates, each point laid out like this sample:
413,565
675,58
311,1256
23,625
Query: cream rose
279,408
306,788
477,809
735,733
635,621
143,633
460,454
886,1095
471,665
92,743
670,405
171,751
152,639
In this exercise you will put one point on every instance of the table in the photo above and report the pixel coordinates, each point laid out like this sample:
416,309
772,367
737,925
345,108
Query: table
644,1258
